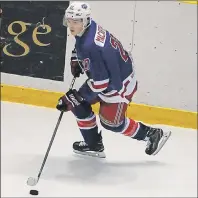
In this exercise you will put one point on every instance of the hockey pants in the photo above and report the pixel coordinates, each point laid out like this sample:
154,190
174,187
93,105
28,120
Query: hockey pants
112,117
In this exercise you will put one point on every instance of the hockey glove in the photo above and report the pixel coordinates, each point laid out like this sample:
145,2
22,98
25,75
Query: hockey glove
70,100
76,65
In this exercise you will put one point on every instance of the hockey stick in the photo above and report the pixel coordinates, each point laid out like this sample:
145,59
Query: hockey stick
31,180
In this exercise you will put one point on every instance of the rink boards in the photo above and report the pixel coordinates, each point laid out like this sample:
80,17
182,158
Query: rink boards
36,70
145,113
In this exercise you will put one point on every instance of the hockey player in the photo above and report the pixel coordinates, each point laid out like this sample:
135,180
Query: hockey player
111,82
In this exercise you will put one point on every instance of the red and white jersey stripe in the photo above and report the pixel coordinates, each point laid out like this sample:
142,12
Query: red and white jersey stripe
128,88
98,86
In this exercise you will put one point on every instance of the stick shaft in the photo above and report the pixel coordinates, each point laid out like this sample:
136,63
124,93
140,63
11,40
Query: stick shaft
50,144
53,136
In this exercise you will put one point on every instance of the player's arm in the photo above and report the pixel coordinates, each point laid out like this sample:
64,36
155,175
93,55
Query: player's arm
99,79
110,58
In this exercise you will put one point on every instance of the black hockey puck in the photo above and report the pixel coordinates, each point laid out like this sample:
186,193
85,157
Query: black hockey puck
34,192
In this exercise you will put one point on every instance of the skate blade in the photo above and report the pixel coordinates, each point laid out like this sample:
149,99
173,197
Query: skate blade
91,154
163,140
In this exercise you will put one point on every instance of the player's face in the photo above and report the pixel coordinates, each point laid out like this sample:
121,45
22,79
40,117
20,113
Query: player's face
75,26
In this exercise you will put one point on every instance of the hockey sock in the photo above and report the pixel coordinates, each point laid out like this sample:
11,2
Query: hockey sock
87,124
134,130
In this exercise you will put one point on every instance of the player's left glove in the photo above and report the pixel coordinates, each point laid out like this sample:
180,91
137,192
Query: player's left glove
70,100
76,65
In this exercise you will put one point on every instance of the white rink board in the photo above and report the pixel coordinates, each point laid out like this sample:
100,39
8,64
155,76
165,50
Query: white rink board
167,78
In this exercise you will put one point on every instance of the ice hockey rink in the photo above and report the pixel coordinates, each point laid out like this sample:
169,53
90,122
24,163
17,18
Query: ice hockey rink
126,172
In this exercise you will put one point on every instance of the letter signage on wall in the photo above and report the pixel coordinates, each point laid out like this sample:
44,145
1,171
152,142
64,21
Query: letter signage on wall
35,39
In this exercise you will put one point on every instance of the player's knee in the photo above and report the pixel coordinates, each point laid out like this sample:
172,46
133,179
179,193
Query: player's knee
82,111
112,126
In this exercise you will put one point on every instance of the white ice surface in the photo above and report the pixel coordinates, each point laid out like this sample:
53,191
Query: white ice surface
126,172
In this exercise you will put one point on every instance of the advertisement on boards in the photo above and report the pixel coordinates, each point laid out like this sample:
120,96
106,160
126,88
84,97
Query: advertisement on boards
33,39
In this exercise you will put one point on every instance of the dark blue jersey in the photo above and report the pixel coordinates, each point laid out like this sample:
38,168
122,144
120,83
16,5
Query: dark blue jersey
108,66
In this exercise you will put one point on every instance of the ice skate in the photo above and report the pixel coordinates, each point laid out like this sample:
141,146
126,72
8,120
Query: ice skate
156,138
95,151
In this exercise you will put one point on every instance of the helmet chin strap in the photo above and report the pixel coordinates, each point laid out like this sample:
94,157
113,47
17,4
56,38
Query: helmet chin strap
81,33
88,23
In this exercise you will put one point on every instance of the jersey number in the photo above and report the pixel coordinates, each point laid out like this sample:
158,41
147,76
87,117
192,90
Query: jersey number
116,44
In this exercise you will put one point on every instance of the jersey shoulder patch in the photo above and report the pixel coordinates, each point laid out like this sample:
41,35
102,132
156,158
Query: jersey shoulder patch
100,36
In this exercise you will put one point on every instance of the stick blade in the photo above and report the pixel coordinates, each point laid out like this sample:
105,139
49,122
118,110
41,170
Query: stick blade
32,181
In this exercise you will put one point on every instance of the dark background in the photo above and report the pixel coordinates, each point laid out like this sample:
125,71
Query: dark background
52,57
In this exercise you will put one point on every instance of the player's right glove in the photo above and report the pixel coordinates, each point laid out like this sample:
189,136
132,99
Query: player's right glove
70,100
76,65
